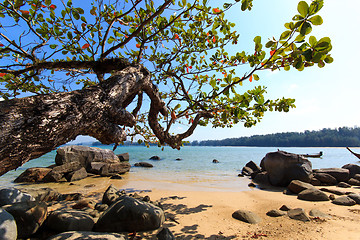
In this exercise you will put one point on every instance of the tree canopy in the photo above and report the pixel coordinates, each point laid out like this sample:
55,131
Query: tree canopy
49,46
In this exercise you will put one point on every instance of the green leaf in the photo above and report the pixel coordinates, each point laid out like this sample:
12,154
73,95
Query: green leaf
305,28
303,8
269,44
177,106
329,59
47,2
312,41
53,46
257,39
285,35
256,77
316,20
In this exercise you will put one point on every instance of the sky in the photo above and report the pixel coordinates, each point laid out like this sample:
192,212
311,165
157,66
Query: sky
325,98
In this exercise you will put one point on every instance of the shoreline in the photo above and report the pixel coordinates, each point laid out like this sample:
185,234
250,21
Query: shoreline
196,214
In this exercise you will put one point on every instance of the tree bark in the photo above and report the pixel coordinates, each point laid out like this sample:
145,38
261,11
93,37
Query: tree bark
33,126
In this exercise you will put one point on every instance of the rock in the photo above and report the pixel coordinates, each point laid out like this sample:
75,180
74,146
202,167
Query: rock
128,215
215,161
13,195
32,175
111,195
355,197
155,158
70,197
58,172
285,208
76,235
246,171
262,178
354,182
344,201
325,178
252,185
331,196
341,174
315,182
353,169
76,175
124,157
8,229
29,216
64,220
253,166
298,214
101,207
297,186
337,192
84,155
313,194
344,185
318,214
116,176
143,164
246,216
42,194
110,169
165,234
357,177
178,159
83,203
284,167
275,213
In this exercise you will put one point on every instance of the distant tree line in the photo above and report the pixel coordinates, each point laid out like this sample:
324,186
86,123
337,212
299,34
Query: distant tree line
341,137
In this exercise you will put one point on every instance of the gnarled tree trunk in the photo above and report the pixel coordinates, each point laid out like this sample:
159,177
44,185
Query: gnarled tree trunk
33,126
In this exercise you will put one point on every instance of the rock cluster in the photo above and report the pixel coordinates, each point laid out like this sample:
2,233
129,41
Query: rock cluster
77,162
117,214
280,168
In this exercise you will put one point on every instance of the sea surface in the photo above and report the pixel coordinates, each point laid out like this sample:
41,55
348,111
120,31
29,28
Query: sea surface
195,170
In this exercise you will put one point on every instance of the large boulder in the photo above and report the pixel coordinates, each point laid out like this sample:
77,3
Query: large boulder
76,235
123,157
84,155
111,169
13,195
64,220
129,215
353,169
283,167
341,174
8,230
58,172
35,174
29,216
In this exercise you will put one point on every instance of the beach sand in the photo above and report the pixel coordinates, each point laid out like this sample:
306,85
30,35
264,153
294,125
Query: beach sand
204,214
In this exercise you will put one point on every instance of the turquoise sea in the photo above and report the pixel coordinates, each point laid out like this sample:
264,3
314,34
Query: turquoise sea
196,171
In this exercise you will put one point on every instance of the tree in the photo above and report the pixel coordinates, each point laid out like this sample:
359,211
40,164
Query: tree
120,55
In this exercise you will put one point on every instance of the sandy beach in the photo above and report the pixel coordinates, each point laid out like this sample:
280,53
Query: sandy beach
207,214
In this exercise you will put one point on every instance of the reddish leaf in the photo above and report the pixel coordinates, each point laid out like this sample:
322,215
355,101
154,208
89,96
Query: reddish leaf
214,39
86,45
25,12
250,79
272,52
52,6
173,115
1,45
177,36
2,74
216,10
138,45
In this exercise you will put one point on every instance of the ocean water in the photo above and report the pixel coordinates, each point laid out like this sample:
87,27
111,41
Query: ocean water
195,170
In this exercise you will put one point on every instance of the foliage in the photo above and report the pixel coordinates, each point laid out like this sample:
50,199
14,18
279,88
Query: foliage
341,137
51,45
